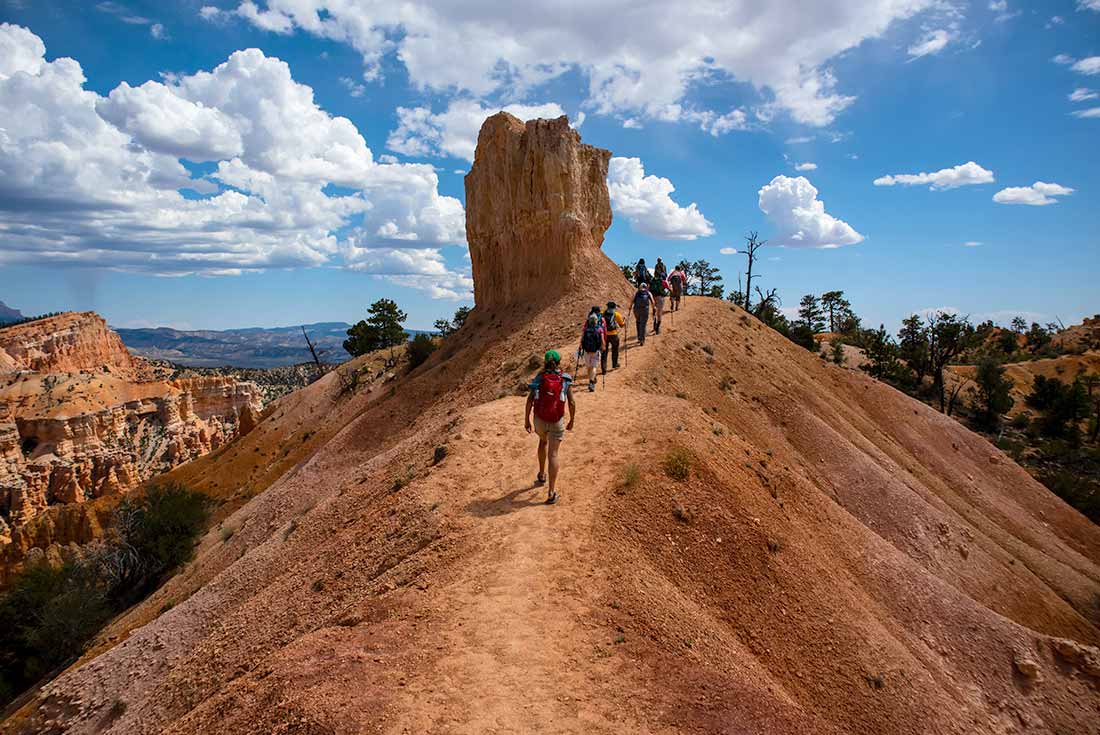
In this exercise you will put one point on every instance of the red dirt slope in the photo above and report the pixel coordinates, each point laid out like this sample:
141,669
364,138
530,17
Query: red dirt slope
840,559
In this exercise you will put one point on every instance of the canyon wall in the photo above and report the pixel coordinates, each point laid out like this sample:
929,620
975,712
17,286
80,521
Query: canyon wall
80,420
64,343
537,208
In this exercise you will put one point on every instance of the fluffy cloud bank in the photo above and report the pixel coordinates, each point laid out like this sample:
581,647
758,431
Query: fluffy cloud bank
966,174
1038,194
101,181
801,219
658,51
647,203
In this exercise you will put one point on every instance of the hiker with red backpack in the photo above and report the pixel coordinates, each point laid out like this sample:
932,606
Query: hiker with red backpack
593,344
547,397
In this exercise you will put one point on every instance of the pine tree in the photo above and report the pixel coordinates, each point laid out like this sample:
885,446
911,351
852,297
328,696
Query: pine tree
882,354
992,396
382,328
836,307
811,314
708,277
913,346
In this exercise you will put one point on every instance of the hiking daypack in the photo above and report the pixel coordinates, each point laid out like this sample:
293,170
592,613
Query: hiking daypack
658,287
590,340
550,396
610,325
675,282
641,301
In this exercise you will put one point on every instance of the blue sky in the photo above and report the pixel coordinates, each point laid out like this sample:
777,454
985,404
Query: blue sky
186,181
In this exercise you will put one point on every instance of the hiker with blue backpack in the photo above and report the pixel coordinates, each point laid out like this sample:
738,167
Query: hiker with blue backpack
547,396
640,306
641,273
593,344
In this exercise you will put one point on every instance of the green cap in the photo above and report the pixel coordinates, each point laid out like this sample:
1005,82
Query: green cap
553,355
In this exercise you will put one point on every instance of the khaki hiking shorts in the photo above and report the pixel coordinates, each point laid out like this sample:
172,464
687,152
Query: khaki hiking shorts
546,430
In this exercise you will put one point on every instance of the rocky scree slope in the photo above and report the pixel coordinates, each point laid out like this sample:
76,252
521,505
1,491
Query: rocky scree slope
836,558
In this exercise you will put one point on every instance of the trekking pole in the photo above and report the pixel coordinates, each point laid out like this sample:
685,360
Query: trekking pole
576,364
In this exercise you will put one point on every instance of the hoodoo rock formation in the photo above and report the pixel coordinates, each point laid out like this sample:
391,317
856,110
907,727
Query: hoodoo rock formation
79,420
537,208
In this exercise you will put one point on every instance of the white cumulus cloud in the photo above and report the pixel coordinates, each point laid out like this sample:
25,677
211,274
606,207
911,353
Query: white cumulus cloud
647,203
728,251
1063,59
658,51
1037,195
965,174
800,217
806,167
1093,5
100,181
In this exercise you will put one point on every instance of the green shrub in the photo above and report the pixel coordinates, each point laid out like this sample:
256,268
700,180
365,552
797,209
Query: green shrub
46,617
162,524
677,463
420,349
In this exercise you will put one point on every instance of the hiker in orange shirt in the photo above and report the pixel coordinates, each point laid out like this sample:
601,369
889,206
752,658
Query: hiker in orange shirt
613,321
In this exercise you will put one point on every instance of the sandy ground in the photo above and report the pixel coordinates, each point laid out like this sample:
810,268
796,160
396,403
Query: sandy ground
840,558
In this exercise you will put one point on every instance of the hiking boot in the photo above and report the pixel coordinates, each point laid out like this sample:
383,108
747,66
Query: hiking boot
591,386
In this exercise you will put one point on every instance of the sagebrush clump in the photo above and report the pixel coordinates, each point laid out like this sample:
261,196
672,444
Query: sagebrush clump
677,463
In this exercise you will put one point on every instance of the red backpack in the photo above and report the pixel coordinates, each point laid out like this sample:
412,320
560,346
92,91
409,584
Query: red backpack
550,396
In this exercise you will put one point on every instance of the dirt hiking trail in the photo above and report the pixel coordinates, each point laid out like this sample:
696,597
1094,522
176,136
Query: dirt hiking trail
523,656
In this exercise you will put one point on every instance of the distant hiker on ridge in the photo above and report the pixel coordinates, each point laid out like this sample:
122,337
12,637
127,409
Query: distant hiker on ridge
640,306
593,345
547,395
613,320
641,273
659,269
676,282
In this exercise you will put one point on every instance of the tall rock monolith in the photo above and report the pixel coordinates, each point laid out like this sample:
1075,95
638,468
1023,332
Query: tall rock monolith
536,211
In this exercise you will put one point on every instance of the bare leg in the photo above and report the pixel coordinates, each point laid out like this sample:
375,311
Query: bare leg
553,452
542,458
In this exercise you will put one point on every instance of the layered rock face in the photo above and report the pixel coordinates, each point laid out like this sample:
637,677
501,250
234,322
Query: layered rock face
537,208
65,343
95,429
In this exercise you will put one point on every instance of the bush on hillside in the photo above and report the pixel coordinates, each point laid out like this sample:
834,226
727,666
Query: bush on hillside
48,614
677,463
420,349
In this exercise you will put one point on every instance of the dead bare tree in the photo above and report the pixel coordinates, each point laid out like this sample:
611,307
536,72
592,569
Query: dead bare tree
313,351
752,244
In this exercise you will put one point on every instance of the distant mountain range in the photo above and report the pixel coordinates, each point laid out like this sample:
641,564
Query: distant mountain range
8,314
253,347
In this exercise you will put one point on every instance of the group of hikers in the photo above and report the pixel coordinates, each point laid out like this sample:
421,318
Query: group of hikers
551,391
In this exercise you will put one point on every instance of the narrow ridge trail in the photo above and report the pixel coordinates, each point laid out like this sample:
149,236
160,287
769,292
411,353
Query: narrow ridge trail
521,650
